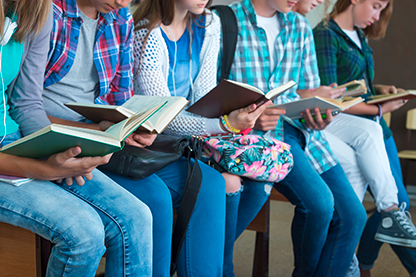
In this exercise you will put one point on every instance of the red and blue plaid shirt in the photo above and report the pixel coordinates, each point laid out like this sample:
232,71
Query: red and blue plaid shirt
113,50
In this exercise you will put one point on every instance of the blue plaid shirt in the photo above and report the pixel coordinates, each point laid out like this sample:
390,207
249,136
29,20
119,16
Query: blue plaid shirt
295,60
113,50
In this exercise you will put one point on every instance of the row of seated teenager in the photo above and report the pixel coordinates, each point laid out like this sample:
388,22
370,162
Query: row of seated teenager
95,51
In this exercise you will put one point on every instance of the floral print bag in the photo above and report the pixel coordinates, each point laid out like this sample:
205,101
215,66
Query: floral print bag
251,156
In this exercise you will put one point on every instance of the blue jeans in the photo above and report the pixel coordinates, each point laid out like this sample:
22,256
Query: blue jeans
202,252
369,248
241,208
329,218
81,221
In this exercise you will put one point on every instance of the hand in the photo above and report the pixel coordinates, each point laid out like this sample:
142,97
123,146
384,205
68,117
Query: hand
66,166
245,118
140,139
328,91
393,105
317,123
269,119
383,89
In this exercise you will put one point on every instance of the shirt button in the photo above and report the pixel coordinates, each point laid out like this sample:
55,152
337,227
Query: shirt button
67,66
76,37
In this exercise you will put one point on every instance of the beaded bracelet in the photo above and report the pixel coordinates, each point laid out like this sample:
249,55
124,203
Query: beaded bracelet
227,125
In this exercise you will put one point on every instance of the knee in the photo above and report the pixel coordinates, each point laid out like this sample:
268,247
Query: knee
370,130
232,183
82,235
321,210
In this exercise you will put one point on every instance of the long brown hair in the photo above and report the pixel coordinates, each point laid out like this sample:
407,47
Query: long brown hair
32,16
376,30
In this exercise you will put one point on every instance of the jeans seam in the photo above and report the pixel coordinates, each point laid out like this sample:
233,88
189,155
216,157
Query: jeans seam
113,218
336,239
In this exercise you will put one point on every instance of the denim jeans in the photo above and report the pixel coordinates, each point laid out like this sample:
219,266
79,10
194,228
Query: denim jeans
202,252
369,248
82,221
329,217
241,208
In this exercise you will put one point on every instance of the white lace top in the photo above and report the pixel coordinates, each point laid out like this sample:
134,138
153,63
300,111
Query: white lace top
151,78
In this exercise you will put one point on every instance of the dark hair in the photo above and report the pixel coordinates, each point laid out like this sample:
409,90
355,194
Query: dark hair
32,15
376,30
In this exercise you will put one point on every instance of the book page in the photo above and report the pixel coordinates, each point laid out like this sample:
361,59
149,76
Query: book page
279,90
247,86
407,94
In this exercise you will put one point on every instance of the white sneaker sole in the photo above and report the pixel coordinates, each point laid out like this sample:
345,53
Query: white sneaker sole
396,241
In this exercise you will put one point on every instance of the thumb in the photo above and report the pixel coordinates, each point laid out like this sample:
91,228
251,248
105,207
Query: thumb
333,85
250,108
68,154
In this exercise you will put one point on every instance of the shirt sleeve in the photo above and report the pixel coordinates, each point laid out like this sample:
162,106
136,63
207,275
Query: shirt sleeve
121,86
26,104
309,75
326,51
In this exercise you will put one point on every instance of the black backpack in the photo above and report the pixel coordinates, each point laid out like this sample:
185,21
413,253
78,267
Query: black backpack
229,38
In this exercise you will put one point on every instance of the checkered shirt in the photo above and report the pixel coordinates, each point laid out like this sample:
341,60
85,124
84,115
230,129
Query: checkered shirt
113,50
295,60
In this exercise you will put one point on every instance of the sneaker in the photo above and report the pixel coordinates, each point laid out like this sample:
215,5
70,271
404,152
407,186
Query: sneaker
396,228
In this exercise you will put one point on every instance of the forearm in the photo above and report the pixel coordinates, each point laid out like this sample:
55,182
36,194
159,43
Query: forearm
24,167
73,123
305,93
363,109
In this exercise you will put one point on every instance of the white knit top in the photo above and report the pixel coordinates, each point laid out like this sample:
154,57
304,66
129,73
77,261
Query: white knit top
152,76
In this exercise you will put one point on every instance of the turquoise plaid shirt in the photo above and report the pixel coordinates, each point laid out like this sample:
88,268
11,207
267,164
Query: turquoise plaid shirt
295,60
340,60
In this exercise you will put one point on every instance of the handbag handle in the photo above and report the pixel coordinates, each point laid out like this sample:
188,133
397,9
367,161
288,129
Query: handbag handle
189,197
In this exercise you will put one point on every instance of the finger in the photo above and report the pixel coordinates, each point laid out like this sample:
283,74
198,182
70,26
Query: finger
333,85
310,122
250,108
80,180
58,181
318,119
68,181
274,111
337,92
393,90
329,117
88,176
68,154
132,142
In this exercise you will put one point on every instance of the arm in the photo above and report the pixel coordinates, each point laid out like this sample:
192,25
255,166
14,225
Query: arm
26,104
57,167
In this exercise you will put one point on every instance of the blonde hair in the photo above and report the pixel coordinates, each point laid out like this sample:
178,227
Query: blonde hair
32,16
376,30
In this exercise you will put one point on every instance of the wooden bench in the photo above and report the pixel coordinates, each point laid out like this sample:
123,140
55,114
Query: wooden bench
20,254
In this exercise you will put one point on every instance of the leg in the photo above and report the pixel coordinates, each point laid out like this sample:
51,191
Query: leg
314,202
233,194
348,161
73,225
128,235
346,226
369,248
366,138
156,195
202,253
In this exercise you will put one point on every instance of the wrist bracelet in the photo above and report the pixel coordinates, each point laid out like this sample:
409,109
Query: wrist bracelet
227,125
380,113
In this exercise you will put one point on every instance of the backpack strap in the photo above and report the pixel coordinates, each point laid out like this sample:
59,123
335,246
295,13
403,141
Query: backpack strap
229,37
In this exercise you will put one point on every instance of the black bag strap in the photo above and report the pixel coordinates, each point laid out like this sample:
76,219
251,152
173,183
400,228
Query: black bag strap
229,38
189,197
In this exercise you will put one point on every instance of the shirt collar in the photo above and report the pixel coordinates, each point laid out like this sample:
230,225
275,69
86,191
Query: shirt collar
71,9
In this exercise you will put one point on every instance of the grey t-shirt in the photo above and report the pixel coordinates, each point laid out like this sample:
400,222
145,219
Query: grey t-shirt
81,84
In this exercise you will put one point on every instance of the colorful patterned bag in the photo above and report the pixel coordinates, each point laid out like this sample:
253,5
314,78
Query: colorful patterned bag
251,156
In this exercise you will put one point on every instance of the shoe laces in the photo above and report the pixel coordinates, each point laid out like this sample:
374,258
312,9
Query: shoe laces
405,219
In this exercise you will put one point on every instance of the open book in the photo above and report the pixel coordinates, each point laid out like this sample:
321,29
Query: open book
293,109
13,180
354,88
229,95
407,94
155,125
57,138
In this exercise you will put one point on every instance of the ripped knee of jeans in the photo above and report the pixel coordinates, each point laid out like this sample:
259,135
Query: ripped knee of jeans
268,188
235,192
